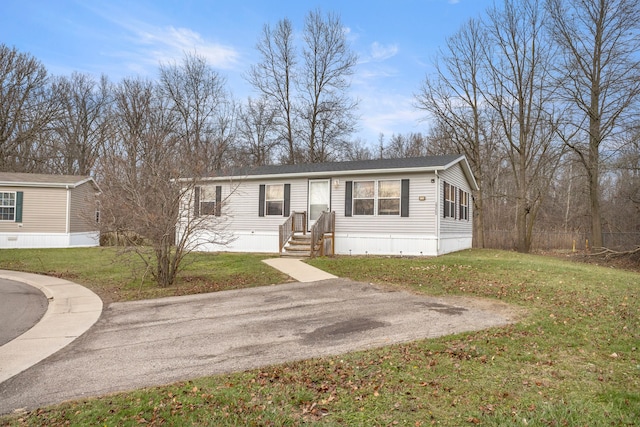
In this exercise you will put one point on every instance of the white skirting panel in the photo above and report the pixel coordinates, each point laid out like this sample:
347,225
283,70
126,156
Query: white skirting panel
386,244
454,244
48,240
345,244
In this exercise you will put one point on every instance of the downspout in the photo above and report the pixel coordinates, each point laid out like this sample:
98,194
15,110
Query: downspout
438,198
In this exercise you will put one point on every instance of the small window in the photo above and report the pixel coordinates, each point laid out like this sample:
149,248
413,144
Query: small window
389,197
449,201
464,205
363,197
274,199
7,206
209,201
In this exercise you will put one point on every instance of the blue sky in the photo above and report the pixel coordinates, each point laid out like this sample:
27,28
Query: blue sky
395,41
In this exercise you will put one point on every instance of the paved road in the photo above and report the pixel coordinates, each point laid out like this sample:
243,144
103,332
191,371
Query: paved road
156,342
21,306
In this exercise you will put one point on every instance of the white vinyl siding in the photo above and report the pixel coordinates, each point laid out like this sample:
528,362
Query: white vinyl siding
421,217
453,225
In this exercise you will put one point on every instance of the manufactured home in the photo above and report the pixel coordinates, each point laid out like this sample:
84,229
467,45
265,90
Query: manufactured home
48,211
411,206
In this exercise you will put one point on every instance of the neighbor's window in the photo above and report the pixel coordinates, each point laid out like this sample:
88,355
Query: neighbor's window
363,197
449,201
7,206
389,197
274,199
464,205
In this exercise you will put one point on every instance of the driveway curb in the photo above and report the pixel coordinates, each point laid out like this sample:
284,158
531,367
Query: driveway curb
72,310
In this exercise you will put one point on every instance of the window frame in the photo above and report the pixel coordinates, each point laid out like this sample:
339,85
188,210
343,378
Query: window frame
464,205
10,209
207,206
376,198
267,200
372,198
449,209
398,198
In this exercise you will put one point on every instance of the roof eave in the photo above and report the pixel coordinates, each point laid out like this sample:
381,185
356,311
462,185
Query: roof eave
32,184
323,174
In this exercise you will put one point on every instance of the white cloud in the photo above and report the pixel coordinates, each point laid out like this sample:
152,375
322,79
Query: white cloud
380,52
170,43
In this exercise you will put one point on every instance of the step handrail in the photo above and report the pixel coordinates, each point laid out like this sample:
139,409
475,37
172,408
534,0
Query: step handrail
325,224
297,222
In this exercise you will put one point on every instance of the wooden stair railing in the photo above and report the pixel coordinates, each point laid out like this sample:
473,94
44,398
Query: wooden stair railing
297,222
325,224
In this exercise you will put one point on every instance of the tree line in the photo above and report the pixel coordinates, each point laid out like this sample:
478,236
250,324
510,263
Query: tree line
541,96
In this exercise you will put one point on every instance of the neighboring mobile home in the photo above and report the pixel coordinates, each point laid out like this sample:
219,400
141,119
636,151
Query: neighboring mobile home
412,206
48,211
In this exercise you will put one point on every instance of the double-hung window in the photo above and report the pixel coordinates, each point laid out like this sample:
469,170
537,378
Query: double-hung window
449,200
389,193
377,197
207,205
7,206
364,197
464,205
274,199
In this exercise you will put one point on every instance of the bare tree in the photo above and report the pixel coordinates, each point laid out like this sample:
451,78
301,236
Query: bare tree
357,150
519,81
196,95
409,145
454,99
79,130
326,109
257,132
139,174
26,110
600,41
273,77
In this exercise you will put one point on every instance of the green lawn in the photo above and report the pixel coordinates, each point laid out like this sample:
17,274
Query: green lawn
117,275
572,360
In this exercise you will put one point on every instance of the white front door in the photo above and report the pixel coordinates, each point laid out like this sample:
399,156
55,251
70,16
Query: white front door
319,199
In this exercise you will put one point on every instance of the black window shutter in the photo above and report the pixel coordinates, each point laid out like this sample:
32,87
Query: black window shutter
348,205
445,203
287,199
456,203
196,202
404,198
261,200
218,200
19,201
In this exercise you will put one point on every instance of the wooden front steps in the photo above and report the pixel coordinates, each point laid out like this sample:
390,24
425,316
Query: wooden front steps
299,245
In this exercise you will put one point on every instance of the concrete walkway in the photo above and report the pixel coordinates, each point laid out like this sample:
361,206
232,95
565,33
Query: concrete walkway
298,270
72,310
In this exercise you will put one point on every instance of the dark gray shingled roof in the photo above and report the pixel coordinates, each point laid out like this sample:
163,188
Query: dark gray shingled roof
378,164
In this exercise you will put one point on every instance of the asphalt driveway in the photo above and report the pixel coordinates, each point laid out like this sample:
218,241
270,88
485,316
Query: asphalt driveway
155,342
